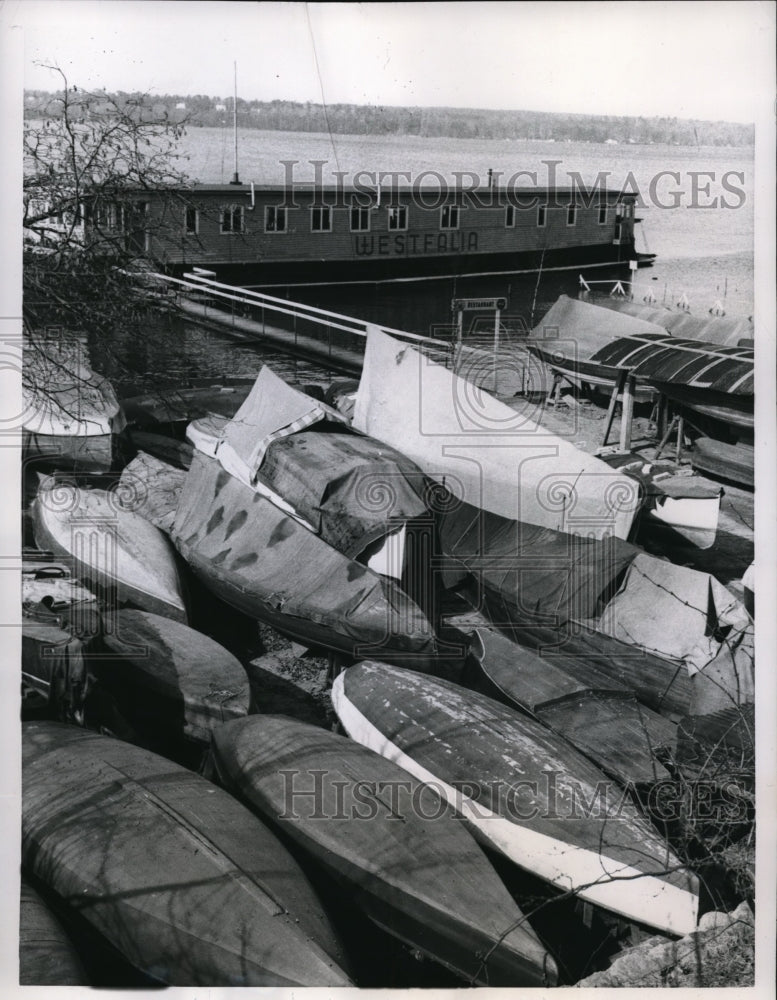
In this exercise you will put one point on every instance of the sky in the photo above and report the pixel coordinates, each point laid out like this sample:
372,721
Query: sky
710,60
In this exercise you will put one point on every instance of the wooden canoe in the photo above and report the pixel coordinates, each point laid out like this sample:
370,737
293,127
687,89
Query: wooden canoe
188,885
599,717
168,674
47,956
522,790
400,853
261,561
115,550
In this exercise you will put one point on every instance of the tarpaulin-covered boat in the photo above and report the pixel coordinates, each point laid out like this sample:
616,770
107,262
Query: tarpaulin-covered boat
265,563
359,495
389,841
183,880
643,621
482,450
115,550
521,789
71,413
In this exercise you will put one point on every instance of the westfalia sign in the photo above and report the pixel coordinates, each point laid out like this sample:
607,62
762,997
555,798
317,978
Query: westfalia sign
386,245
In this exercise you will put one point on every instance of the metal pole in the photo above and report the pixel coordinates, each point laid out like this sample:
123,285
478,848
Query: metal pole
236,179
496,351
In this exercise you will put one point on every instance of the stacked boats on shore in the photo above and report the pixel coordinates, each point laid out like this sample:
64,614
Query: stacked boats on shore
511,674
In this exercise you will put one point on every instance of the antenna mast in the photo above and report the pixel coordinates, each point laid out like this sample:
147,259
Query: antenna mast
235,178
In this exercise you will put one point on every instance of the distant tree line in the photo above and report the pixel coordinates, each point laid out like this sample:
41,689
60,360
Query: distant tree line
460,123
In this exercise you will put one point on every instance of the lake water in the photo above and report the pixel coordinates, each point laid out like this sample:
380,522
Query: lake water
704,248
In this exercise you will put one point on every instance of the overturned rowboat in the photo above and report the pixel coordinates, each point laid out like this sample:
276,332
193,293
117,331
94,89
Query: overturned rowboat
600,718
71,416
188,885
115,550
587,344
167,677
47,956
522,791
401,855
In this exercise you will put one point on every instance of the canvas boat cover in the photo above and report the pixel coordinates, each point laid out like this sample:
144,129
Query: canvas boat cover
485,452
723,330
525,575
272,410
529,572
351,489
579,329
681,614
63,396
261,561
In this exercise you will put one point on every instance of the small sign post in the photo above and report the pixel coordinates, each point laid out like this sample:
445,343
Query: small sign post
460,306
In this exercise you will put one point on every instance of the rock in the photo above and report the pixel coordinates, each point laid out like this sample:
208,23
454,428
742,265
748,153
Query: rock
719,953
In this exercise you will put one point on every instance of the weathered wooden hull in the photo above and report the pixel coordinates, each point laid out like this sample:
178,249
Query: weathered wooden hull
261,561
176,677
181,878
735,462
603,720
522,790
115,550
588,374
401,854
47,956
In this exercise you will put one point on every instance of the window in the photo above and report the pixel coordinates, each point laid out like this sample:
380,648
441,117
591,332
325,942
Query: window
110,216
449,217
397,217
360,219
509,216
191,221
321,220
275,219
602,214
232,219
542,214
571,215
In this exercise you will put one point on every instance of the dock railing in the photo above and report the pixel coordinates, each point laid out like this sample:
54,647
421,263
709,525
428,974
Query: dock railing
247,312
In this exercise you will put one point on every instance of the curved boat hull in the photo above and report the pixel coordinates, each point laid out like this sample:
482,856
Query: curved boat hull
181,878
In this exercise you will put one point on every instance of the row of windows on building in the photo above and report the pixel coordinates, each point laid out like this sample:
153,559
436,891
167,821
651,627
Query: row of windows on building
232,218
